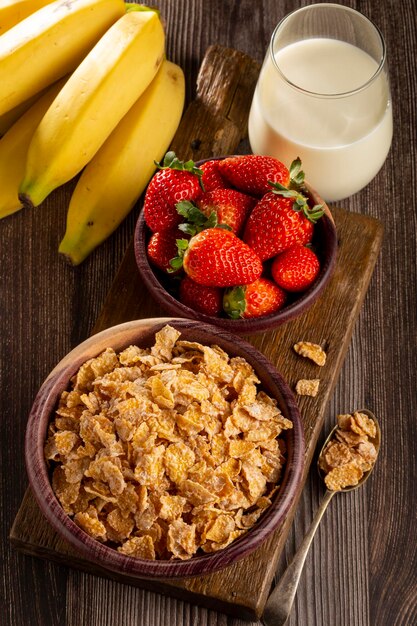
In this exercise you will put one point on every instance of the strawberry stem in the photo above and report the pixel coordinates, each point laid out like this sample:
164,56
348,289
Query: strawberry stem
294,190
196,219
315,213
177,261
234,302
195,216
171,161
296,174
300,201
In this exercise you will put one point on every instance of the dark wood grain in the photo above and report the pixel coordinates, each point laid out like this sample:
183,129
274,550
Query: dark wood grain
362,567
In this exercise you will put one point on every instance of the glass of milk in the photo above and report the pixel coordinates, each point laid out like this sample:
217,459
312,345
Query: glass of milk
323,95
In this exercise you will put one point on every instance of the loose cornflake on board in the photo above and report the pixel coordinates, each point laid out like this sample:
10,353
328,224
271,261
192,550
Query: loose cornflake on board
311,351
349,453
308,387
166,451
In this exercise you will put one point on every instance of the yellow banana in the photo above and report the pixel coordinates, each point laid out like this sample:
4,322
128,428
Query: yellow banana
49,44
14,11
13,150
93,101
8,119
115,178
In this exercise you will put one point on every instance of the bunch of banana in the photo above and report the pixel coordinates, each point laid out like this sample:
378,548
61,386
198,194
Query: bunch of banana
49,44
94,99
114,115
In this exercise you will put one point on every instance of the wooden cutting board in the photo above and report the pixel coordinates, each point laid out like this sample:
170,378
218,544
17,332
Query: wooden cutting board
214,124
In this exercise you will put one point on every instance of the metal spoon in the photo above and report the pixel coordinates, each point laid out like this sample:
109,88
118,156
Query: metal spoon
280,601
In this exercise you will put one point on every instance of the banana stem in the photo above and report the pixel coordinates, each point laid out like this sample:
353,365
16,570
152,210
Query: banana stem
132,6
26,201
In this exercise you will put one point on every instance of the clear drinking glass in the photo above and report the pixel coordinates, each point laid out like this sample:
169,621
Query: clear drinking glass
323,95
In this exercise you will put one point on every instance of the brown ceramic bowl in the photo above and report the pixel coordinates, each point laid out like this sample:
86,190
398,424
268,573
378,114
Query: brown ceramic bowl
142,332
164,288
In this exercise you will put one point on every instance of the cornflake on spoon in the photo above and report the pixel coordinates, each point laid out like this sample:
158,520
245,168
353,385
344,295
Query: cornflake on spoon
350,452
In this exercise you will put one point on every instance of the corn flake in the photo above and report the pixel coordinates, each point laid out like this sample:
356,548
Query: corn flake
311,351
90,523
221,528
347,475
139,547
181,539
178,459
308,387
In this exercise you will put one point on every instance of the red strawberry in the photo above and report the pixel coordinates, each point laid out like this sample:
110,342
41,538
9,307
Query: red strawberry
230,206
277,223
295,269
162,247
261,297
174,182
200,298
251,173
217,258
212,179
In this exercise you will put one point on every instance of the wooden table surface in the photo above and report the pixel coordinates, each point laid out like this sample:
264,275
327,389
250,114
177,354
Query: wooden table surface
362,567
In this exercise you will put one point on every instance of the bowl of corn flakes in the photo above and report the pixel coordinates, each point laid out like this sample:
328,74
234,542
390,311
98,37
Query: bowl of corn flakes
164,448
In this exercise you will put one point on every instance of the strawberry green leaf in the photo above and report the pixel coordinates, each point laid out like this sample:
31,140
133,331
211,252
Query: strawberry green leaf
296,180
234,302
182,245
211,221
196,219
296,174
188,229
300,201
315,213
191,212
176,262
170,159
281,190
172,162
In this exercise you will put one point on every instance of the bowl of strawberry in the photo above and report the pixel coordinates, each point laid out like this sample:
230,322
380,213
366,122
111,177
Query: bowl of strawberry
241,242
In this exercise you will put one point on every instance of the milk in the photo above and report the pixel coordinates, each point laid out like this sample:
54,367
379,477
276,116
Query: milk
342,140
